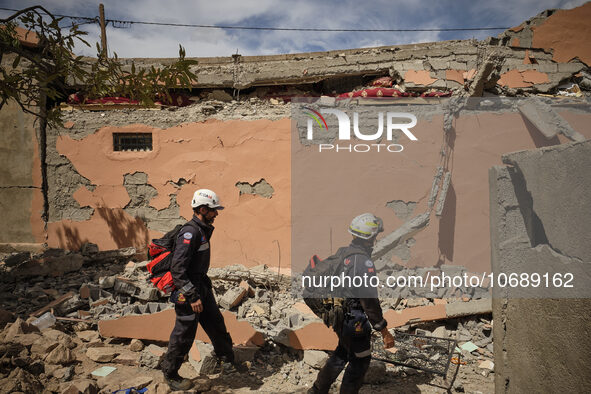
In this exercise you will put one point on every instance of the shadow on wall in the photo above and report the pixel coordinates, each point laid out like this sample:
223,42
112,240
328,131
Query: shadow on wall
124,231
447,227
69,238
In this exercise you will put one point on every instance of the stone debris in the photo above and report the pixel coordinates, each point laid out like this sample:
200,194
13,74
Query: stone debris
277,337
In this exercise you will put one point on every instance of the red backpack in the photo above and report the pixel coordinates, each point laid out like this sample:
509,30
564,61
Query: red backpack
160,252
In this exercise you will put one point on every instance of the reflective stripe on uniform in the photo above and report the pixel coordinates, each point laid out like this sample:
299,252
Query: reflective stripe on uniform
203,247
365,353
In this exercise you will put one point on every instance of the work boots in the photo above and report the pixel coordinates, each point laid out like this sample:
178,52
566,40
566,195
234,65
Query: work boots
177,383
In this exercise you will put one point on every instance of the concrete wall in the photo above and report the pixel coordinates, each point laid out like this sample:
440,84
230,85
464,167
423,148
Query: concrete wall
541,219
21,199
118,199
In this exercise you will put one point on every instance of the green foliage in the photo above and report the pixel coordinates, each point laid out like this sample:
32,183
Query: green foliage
50,68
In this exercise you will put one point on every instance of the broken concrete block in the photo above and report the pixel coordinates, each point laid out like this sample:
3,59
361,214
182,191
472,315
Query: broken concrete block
101,354
313,336
315,358
124,286
261,309
474,307
148,294
233,297
208,361
150,357
153,307
487,364
244,353
391,240
244,284
295,320
547,121
412,315
158,326
107,282
440,332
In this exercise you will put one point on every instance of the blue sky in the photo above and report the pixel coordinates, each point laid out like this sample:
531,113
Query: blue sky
155,41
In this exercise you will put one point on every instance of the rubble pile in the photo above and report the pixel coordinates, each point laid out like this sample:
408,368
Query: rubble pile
279,341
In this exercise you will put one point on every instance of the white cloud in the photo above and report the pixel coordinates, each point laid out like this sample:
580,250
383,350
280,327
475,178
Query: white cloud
156,41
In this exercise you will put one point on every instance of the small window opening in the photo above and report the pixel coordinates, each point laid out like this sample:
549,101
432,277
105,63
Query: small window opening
132,141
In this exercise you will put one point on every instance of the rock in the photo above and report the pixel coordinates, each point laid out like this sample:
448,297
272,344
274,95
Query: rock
208,363
43,346
59,336
60,355
376,372
233,297
127,358
101,354
315,358
20,381
88,335
18,327
83,386
140,382
25,339
151,355
487,364
261,309
440,332
136,345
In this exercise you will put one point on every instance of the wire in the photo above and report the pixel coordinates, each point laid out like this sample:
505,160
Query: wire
113,21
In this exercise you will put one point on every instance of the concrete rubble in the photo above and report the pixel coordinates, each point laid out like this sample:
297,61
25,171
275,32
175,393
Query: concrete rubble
278,339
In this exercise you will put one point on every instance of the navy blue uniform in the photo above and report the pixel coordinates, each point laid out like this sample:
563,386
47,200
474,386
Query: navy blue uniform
354,345
189,267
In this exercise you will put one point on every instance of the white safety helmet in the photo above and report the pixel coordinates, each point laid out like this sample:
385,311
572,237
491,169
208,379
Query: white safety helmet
366,226
206,197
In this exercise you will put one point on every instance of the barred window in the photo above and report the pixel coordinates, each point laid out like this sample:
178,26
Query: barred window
132,141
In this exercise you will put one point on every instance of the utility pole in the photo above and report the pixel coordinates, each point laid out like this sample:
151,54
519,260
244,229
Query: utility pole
103,31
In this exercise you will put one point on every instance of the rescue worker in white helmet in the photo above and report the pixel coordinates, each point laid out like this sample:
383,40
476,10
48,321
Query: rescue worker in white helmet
363,312
194,299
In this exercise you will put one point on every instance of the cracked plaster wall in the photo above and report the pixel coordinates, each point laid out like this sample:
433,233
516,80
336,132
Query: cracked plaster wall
460,236
540,217
130,197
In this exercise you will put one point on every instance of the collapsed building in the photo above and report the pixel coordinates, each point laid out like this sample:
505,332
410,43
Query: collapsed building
116,177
